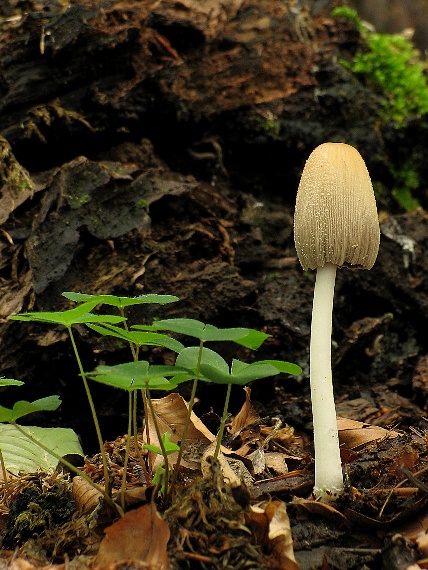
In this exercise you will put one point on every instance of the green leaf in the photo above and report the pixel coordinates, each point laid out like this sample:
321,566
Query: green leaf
188,359
23,408
254,339
139,338
22,455
121,302
213,368
10,382
242,373
139,375
153,448
80,314
169,446
283,366
249,338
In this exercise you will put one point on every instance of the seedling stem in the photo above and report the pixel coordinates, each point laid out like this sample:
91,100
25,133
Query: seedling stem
93,411
188,416
223,421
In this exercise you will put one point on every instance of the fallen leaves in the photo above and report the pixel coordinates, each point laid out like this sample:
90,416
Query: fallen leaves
170,413
353,434
140,535
271,528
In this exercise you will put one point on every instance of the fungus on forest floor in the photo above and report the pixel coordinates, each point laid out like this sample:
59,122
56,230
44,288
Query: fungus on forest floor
335,224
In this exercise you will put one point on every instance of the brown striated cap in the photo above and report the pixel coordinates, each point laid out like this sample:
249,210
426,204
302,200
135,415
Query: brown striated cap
335,220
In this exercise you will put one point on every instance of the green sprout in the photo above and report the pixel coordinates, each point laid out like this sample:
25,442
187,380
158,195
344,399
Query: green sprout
167,447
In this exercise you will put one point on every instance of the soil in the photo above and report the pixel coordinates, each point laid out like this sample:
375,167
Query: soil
157,147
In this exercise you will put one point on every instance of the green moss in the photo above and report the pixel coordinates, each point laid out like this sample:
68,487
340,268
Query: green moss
77,200
390,64
406,181
142,203
12,174
268,126
265,122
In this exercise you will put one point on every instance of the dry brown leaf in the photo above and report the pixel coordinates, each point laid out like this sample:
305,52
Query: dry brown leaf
258,461
228,473
246,415
21,564
86,497
24,564
285,436
171,414
323,509
353,434
275,461
416,529
140,535
271,527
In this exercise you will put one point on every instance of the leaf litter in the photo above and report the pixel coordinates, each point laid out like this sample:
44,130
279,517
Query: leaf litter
217,520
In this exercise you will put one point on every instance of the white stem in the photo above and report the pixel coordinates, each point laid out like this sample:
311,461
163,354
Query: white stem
328,467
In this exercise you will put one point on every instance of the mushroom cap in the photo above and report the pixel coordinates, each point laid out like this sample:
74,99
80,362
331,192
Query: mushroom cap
335,220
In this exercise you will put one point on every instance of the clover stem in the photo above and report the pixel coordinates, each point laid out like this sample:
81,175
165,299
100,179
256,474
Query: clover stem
159,436
132,346
135,435
133,407
71,467
223,421
127,449
188,416
328,467
92,406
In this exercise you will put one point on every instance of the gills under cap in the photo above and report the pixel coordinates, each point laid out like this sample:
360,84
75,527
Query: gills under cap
335,220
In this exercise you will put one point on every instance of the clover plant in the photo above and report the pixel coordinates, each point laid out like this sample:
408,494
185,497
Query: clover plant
82,315
197,363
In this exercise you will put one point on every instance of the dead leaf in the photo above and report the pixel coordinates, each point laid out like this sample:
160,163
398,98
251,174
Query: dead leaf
353,434
285,435
171,414
140,535
270,525
229,475
258,461
86,497
422,542
246,415
416,529
275,462
323,509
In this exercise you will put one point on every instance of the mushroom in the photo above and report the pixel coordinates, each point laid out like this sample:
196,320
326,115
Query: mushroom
335,224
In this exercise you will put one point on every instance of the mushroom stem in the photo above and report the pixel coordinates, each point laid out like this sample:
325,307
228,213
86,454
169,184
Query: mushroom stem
328,467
